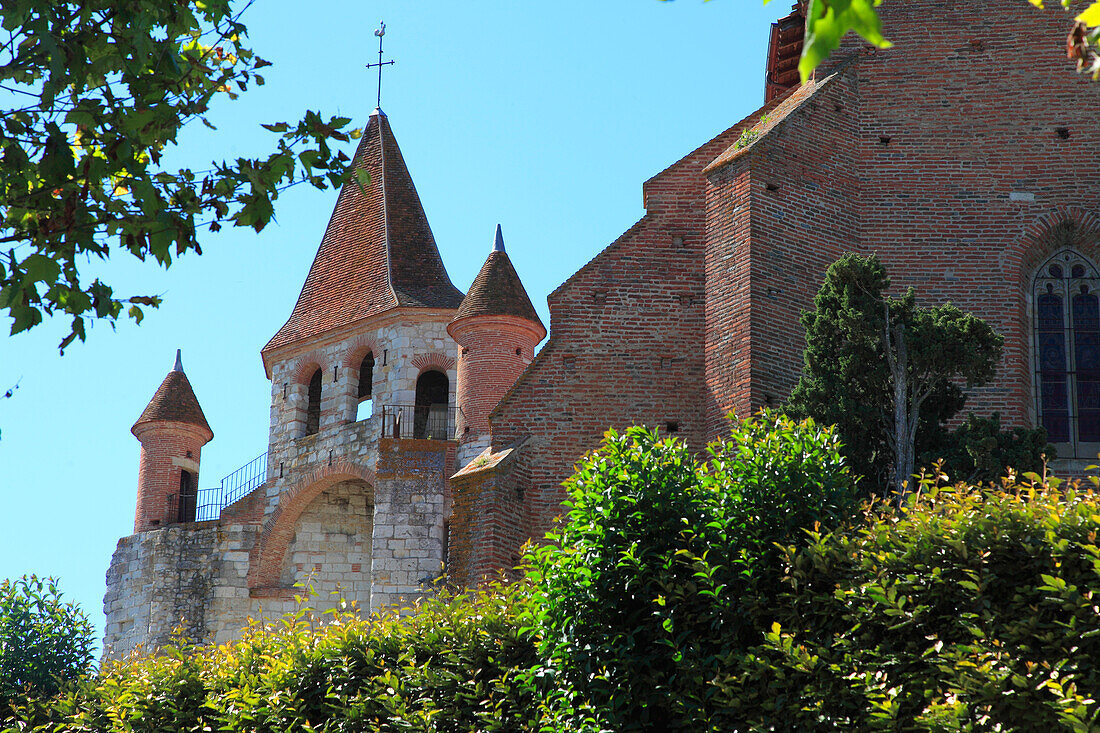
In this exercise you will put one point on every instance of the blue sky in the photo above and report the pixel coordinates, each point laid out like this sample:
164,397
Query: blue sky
545,117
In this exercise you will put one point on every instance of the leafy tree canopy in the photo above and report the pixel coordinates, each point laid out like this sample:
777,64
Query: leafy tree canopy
44,642
95,93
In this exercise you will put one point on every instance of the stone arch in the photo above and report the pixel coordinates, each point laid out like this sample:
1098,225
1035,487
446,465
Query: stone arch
306,365
266,557
1064,228
357,349
351,363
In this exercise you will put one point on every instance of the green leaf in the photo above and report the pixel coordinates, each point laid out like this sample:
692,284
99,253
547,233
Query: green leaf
40,268
828,21
1091,15
362,179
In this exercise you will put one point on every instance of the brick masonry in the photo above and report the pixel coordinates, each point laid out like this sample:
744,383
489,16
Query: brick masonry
961,157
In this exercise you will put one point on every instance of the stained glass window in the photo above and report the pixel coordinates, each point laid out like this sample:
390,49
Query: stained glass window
1067,353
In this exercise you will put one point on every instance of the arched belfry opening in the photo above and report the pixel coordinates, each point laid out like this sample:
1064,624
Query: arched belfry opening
430,418
365,394
313,404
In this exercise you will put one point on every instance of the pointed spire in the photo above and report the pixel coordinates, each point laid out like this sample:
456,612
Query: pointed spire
174,401
497,290
378,251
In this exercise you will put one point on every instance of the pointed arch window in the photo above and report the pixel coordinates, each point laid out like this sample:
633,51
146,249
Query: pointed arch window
366,386
313,404
1067,353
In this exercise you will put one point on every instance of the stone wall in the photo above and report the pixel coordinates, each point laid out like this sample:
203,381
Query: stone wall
190,576
331,549
402,349
378,543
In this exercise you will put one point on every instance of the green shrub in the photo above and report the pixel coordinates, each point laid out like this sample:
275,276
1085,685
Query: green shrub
640,592
974,610
44,642
740,594
458,663
981,451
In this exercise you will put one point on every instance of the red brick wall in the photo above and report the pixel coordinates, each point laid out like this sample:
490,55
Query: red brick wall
158,476
943,155
804,182
487,524
728,324
626,342
778,215
488,366
971,98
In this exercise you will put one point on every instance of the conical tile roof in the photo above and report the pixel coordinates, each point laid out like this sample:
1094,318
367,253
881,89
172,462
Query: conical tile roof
174,401
497,290
378,251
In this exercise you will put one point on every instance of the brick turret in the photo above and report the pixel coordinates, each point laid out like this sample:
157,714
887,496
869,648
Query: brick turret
497,329
172,431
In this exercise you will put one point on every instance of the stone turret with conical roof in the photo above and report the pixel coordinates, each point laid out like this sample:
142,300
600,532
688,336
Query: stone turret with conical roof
172,430
377,254
497,329
369,327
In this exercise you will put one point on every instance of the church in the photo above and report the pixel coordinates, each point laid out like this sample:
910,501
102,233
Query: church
964,157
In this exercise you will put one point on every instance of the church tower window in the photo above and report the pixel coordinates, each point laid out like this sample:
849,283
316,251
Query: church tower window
366,376
1067,353
365,389
430,413
313,404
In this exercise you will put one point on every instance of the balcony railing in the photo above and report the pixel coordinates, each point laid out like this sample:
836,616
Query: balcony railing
419,422
436,422
235,486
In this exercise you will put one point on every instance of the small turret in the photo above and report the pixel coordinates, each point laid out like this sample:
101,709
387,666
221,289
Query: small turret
497,329
172,431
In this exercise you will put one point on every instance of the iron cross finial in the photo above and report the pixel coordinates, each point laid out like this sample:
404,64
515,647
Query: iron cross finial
380,32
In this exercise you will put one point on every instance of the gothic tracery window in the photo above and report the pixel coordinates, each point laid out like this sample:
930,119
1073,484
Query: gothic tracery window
1067,353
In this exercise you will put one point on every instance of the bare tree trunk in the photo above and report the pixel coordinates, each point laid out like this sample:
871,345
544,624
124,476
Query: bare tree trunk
897,360
903,465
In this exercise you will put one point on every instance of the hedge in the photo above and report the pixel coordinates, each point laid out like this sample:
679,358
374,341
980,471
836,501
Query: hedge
744,592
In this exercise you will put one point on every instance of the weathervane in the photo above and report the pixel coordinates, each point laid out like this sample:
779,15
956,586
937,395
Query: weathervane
380,32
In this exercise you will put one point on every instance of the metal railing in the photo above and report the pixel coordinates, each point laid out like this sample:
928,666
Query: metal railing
419,422
183,507
235,486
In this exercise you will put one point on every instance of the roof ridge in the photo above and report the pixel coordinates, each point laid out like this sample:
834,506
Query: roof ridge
385,207
789,102
377,253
